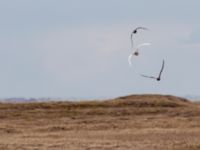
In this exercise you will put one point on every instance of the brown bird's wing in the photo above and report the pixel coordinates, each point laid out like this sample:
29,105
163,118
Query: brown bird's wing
152,77
132,39
135,31
163,64
143,28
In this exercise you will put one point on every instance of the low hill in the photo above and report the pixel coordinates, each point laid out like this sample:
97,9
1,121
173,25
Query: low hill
132,105
152,101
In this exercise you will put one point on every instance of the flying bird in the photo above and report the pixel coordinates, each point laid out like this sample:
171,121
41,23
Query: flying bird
157,78
136,51
135,31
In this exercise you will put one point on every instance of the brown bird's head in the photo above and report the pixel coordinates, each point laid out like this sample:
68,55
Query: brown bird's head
158,79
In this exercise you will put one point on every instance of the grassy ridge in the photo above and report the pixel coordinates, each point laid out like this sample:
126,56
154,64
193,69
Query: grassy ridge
128,105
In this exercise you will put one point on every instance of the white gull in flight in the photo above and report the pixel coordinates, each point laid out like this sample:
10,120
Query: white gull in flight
136,52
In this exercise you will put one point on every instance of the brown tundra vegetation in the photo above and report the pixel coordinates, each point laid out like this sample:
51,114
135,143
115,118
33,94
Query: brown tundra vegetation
135,122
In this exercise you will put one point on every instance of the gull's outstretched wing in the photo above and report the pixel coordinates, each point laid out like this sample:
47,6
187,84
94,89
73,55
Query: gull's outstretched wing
129,59
143,44
163,64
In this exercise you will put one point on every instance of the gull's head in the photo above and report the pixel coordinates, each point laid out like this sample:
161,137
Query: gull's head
136,53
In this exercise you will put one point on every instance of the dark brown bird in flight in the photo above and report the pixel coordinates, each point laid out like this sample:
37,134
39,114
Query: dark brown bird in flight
157,78
135,31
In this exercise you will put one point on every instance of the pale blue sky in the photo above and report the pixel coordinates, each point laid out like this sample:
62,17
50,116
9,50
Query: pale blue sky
79,48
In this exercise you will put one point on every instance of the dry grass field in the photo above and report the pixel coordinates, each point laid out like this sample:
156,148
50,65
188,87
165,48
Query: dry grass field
136,122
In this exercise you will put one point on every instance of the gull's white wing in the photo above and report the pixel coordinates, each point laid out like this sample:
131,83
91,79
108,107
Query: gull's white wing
129,59
143,44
